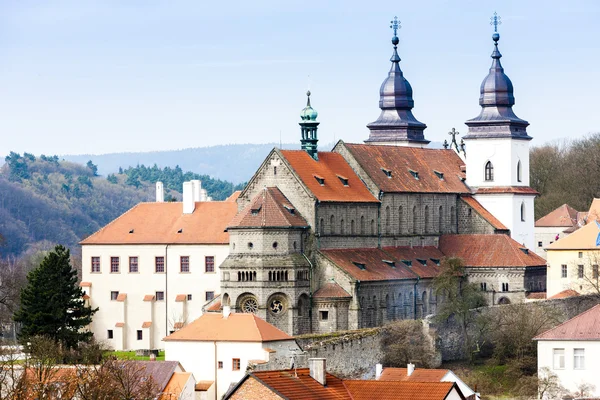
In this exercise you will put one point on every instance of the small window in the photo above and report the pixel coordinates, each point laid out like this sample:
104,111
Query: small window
320,179
159,264
189,297
133,264
209,264
140,335
387,172
114,294
235,364
209,296
422,261
359,265
275,244
255,211
220,364
160,296
390,263
323,315
505,287
343,180
578,358
580,255
519,171
563,271
539,244
558,358
184,264
594,272
415,174
483,286
114,265
408,263
109,334
580,271
274,170
95,264
250,245
522,212
489,171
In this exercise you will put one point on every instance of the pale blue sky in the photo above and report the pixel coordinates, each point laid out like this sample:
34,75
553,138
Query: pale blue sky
105,76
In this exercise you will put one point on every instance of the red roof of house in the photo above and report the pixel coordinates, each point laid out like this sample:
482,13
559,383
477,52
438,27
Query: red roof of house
418,375
390,390
160,223
439,171
585,326
333,169
331,290
489,251
565,216
564,294
507,189
299,385
237,327
375,268
424,260
269,208
485,214
536,296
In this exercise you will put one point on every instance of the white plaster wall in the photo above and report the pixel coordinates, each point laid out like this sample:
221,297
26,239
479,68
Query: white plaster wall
556,283
547,235
569,377
134,311
451,377
453,395
504,153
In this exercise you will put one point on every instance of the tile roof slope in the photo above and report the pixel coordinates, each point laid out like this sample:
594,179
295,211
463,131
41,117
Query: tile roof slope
585,326
299,385
158,223
391,390
269,208
400,160
331,290
564,215
331,166
481,210
175,386
238,327
160,371
583,238
234,196
480,250
507,189
375,268
203,386
415,255
536,296
564,294
418,375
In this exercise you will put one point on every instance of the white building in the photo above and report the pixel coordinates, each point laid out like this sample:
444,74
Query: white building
217,348
553,226
572,351
152,269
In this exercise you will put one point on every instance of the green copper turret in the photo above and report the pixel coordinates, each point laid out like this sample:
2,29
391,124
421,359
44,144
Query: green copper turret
308,127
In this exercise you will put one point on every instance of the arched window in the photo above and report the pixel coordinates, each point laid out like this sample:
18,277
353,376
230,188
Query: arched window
387,220
352,227
522,211
372,227
414,221
519,171
322,226
332,225
342,230
362,225
452,219
400,220
441,219
426,219
489,171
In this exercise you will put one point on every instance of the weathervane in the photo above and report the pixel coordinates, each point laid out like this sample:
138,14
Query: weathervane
495,20
395,25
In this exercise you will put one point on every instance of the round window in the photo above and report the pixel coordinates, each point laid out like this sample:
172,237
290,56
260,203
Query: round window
250,305
274,245
276,306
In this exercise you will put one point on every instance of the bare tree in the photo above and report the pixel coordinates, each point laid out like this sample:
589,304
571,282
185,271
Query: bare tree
584,273
549,387
406,341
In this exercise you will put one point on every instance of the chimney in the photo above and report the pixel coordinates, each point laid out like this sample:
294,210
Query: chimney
188,198
197,188
226,312
160,192
203,195
378,371
317,370
410,368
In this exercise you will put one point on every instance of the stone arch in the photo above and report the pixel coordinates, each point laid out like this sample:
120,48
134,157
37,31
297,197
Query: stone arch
352,228
342,230
225,300
362,224
372,227
303,314
503,300
452,219
247,303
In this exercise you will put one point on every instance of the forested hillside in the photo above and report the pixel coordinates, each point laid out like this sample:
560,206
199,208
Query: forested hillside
46,199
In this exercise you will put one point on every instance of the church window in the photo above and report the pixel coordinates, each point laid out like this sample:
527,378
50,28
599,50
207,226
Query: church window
276,306
489,171
400,219
387,220
441,219
322,226
250,305
332,225
519,171
250,245
426,219
414,221
323,315
505,287
362,225
274,170
372,227
352,229
342,230
483,286
522,211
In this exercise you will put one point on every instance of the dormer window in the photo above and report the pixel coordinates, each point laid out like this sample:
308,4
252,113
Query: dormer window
390,263
256,210
361,266
320,179
291,210
415,174
439,174
343,180
489,171
387,172
422,261
436,261
408,263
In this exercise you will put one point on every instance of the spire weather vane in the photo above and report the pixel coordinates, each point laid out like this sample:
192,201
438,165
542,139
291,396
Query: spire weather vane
495,20
395,25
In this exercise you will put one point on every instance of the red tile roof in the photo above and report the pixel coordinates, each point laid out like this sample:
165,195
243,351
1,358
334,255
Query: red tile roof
122,297
234,196
429,255
147,324
175,386
269,208
299,385
536,296
329,167
159,223
390,390
149,297
564,215
564,294
237,327
418,375
85,284
331,290
485,214
489,251
180,298
439,171
375,269
507,189
216,304
585,326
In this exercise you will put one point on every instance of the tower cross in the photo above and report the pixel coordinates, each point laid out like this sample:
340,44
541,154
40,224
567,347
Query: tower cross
454,133
495,20
395,25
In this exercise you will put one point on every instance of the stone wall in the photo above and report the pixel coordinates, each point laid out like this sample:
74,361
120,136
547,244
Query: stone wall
469,221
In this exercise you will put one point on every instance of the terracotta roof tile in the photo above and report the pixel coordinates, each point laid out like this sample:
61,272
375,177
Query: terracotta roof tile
489,251
86,296
176,385
583,238
485,214
536,296
238,327
507,189
119,324
147,324
299,385
585,326
564,294
149,297
390,390
180,297
401,160
122,297
329,166
178,325
159,223
331,290
368,264
564,215
234,196
215,305
418,375
429,255
269,208
160,371
203,386
85,284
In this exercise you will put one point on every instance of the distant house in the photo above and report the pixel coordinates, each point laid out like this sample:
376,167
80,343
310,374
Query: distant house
572,350
218,348
553,226
315,383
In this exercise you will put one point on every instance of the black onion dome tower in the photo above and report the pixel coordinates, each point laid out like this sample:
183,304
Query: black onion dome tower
497,118
396,124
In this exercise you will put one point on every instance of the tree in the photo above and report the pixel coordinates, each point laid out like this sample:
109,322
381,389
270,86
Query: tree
405,341
459,297
92,167
584,273
52,303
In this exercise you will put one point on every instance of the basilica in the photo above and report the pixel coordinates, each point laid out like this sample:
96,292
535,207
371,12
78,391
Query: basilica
353,237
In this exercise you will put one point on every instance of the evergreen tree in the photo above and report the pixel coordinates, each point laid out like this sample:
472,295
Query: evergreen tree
52,303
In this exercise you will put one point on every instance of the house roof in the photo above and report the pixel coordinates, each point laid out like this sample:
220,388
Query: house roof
483,212
507,189
160,371
583,238
334,169
418,375
438,171
536,296
585,326
481,250
176,385
564,294
160,223
424,260
299,385
269,208
203,386
331,290
237,327
564,216
234,196
389,390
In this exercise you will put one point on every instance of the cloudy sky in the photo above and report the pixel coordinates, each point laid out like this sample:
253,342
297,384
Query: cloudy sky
105,76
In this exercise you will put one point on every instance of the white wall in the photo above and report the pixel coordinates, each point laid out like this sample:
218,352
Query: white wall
556,283
547,235
569,377
134,311
504,153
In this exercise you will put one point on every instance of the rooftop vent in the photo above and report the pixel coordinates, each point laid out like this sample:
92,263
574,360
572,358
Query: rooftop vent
390,263
360,265
180,231
387,172
131,231
407,262
343,180
320,179
415,174
439,174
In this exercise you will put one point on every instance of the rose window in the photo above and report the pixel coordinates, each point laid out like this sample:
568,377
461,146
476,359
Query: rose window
250,306
276,306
